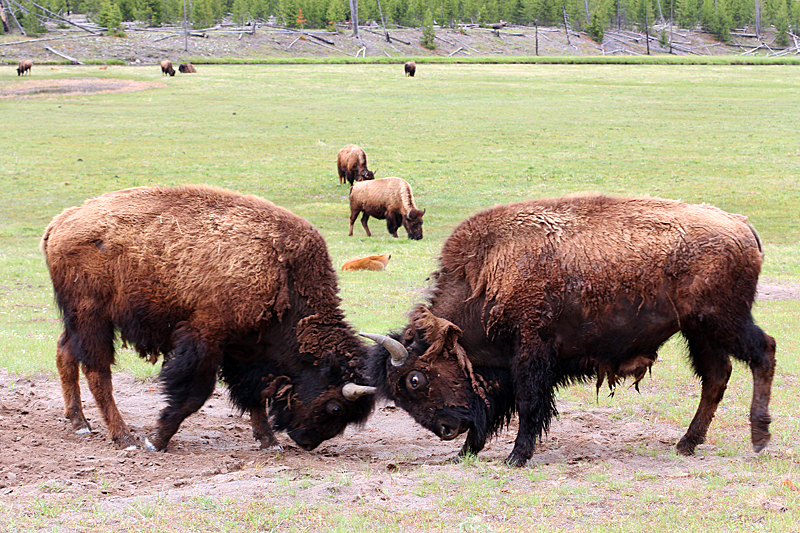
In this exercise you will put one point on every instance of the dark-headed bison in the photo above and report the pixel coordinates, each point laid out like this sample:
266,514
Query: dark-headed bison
351,163
166,68
24,66
219,284
532,296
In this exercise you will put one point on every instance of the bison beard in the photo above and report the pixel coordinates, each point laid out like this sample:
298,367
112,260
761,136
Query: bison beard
532,296
219,284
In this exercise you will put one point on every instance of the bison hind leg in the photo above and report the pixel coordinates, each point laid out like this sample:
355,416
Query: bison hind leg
69,374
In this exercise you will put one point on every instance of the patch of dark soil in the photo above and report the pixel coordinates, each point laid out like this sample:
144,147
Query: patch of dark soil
31,88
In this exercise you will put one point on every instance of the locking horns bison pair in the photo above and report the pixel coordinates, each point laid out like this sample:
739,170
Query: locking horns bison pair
527,297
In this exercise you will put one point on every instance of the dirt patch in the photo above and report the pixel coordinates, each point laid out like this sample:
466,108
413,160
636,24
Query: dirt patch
73,86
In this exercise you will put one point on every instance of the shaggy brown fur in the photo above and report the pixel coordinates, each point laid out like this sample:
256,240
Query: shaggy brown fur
217,283
187,68
372,262
389,198
410,68
166,68
24,66
352,165
537,294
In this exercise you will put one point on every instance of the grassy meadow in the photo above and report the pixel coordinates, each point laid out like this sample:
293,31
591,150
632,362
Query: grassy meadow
466,137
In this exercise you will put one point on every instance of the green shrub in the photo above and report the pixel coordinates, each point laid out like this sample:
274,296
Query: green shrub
110,17
595,30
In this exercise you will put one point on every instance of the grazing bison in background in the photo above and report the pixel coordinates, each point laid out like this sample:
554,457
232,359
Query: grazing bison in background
411,68
372,262
166,68
535,295
352,165
187,68
388,198
219,284
24,66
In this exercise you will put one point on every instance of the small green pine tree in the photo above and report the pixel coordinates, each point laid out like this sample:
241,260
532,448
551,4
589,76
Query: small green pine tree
595,30
110,16
428,33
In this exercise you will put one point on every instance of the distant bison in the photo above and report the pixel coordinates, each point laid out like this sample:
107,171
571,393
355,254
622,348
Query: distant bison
388,198
166,68
352,165
411,68
187,68
24,66
533,296
372,262
221,285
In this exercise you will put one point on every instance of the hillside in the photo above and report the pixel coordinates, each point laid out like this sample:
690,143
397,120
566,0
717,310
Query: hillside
151,45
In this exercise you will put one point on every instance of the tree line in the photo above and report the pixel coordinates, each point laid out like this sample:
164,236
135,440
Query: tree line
716,16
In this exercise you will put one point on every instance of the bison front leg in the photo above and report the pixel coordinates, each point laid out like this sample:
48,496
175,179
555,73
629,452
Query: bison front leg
189,378
262,431
534,381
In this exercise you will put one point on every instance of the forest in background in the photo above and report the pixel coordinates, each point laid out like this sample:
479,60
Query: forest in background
719,17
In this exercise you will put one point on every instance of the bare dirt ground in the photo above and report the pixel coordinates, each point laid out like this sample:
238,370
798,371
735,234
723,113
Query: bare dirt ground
150,46
213,453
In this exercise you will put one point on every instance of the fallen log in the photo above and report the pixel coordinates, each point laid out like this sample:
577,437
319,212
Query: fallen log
65,56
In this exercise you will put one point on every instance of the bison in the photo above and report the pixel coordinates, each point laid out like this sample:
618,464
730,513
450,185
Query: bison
166,68
219,284
24,66
372,262
187,68
410,68
388,198
352,165
532,296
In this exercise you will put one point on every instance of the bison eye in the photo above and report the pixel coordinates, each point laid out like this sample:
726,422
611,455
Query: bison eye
334,408
416,381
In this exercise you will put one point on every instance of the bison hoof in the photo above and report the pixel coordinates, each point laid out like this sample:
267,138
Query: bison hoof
686,447
516,461
83,431
272,448
150,447
757,447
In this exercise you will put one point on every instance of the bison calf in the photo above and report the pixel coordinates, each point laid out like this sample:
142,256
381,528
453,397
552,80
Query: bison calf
388,198
372,262
219,284
536,295
24,66
352,165
166,68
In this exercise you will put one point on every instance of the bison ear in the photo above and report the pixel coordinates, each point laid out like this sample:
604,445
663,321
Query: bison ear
441,334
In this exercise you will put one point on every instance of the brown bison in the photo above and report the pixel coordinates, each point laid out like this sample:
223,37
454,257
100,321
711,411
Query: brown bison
352,165
532,296
219,284
411,68
166,68
388,198
187,68
24,66
373,262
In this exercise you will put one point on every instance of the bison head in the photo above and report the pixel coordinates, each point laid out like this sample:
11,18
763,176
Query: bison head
412,222
366,175
427,373
319,404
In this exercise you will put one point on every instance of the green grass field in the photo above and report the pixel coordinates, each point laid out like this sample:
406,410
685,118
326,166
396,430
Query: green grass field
466,137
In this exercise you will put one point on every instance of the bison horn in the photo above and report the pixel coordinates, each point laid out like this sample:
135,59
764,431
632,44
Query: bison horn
353,392
396,349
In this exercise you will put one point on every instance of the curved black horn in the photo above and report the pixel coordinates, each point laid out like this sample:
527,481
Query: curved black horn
396,349
353,392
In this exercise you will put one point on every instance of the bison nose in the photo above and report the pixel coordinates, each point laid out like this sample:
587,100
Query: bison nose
304,439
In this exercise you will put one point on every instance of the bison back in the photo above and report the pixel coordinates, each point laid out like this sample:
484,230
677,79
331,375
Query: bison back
187,253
